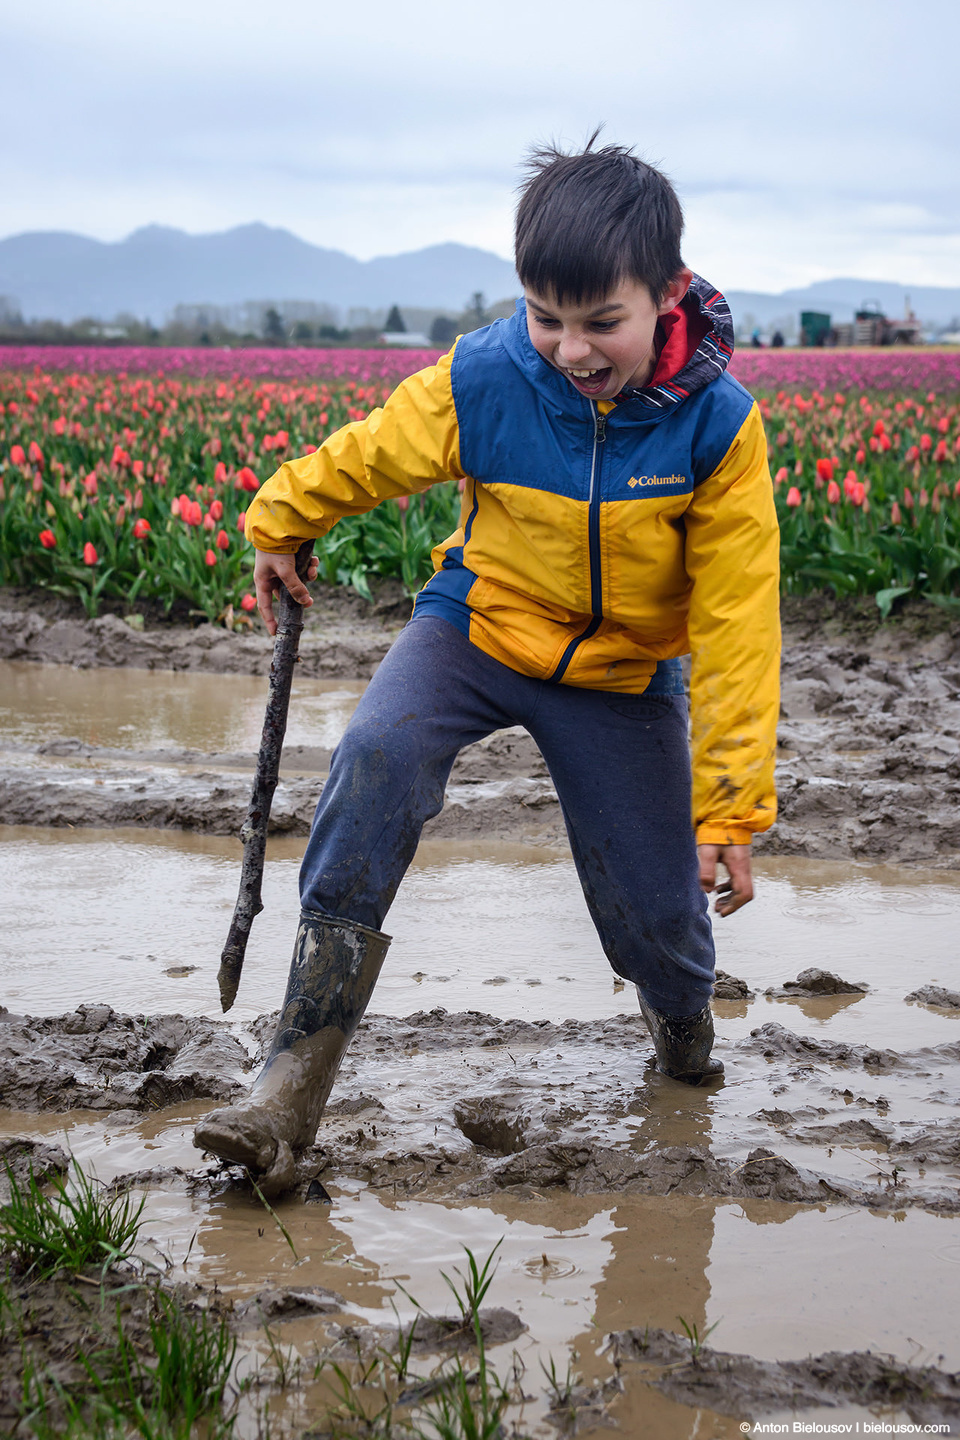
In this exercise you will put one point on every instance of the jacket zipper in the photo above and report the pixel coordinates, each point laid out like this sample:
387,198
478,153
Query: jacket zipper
593,523
593,546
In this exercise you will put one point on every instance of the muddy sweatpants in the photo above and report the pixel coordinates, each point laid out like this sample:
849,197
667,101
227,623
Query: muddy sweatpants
621,767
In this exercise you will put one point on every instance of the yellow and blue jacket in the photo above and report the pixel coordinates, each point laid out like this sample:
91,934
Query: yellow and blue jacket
595,540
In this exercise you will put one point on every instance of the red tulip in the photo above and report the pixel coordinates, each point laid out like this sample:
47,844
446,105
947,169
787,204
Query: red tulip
242,522
925,443
248,481
220,474
17,456
940,453
210,557
48,540
208,522
248,602
223,540
833,492
90,556
858,493
781,475
794,498
141,528
403,501
216,509
35,453
895,515
860,456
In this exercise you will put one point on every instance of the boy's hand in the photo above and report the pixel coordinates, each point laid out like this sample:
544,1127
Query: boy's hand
272,571
735,891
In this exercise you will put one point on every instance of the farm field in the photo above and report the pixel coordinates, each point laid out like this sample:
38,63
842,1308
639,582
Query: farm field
780,1248
129,484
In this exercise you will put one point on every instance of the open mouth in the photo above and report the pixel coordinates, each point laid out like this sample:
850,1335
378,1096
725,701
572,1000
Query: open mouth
590,382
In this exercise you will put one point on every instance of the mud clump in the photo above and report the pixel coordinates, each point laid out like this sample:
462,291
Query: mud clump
814,982
434,1334
729,987
739,1385
21,1156
96,1059
936,995
286,1303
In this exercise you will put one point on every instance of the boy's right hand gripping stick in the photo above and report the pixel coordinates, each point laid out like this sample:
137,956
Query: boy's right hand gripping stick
254,833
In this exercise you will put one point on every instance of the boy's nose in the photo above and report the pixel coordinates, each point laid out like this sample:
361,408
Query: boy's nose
573,349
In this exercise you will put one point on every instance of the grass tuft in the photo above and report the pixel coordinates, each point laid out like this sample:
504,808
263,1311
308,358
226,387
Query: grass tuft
66,1230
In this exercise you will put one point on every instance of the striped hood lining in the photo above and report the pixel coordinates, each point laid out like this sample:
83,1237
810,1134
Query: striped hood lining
702,304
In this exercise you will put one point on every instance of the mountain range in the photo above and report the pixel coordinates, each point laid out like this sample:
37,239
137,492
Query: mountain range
57,275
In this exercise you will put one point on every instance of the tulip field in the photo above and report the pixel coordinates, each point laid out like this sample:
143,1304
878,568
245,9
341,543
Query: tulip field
125,474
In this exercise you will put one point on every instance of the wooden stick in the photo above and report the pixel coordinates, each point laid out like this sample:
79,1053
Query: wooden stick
254,833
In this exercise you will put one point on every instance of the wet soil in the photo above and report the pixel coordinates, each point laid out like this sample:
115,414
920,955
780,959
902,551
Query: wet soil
537,1106
741,1386
810,1201
869,762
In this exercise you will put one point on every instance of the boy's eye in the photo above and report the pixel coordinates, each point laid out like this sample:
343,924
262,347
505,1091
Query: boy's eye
604,325
546,320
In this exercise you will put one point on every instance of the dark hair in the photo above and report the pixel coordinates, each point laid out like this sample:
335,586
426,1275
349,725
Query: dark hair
587,222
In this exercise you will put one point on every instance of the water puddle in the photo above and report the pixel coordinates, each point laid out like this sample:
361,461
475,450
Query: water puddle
777,1281
162,709
497,927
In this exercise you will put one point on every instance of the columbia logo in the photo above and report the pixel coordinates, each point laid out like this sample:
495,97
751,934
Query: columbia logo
645,480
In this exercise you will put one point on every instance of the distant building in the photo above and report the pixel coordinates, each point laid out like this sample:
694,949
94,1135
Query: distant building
412,338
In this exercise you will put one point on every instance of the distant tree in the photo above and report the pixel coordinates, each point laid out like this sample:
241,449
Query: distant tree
273,326
302,331
395,325
476,312
444,331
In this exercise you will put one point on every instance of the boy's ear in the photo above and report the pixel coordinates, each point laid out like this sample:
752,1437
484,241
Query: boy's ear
675,291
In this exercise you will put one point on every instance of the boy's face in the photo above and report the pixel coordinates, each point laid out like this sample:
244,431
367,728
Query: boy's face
602,345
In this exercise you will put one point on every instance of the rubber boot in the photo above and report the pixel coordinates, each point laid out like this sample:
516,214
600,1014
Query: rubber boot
334,969
682,1044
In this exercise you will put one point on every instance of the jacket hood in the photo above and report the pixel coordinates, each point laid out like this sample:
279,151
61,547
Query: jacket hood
694,345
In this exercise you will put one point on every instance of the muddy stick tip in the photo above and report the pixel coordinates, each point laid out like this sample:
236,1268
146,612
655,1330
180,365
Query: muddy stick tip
228,976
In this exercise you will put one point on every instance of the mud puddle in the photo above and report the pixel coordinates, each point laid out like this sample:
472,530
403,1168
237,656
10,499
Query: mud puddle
778,1282
136,711
493,926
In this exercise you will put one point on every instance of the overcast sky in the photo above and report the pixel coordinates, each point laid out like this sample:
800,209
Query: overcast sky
807,140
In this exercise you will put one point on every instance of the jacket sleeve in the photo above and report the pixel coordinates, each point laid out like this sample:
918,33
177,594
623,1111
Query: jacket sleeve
732,557
401,449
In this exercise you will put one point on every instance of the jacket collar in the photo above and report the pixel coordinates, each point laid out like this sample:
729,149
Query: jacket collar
695,343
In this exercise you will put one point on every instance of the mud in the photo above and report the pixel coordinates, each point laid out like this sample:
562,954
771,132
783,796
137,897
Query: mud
741,1386
815,981
537,1107
936,995
869,763
344,636
95,1059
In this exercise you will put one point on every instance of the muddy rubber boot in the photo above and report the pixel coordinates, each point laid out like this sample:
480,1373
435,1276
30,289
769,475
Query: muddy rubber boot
335,967
682,1044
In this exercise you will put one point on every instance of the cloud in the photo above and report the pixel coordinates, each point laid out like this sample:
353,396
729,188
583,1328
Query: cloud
806,139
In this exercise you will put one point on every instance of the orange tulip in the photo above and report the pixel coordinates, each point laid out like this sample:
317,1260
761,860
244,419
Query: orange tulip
90,556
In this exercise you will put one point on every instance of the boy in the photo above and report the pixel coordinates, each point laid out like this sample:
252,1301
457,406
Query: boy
617,512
